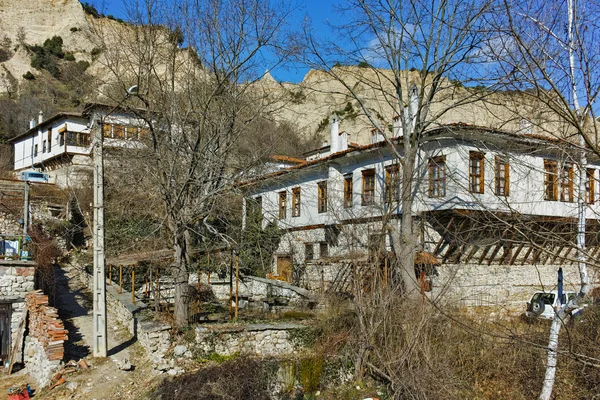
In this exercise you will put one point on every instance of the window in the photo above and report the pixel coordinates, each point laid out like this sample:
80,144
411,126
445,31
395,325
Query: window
437,176
49,140
296,202
282,204
368,187
502,176
131,132
118,131
77,139
107,130
590,185
476,172
566,182
392,183
35,150
348,191
61,138
308,251
550,180
323,250
43,146
322,204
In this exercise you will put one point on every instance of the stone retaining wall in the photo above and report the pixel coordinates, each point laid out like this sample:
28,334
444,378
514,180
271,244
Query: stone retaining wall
263,340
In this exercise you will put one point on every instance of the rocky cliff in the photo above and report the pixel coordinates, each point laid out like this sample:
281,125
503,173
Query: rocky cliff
306,106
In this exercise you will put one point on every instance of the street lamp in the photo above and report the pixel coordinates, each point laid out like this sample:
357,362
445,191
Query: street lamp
99,277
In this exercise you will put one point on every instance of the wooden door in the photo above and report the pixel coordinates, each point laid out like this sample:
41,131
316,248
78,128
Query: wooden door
5,314
284,267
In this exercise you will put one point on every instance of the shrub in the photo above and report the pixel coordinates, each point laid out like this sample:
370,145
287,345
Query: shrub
90,9
242,378
54,46
95,51
29,76
69,57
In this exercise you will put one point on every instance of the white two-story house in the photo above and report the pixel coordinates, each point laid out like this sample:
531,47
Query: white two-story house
495,212
61,146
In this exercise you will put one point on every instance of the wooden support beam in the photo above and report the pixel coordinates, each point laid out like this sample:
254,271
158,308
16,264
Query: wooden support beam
472,253
560,249
443,237
451,249
459,254
494,253
529,250
536,255
507,254
565,257
516,254
482,257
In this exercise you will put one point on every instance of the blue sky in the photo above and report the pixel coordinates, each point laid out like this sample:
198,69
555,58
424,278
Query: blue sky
319,13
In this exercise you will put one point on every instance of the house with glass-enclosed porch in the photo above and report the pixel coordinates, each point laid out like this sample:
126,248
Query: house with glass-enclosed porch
61,145
495,212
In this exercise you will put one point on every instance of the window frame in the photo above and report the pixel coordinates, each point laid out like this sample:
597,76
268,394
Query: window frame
566,179
296,201
309,250
282,204
322,197
392,184
437,176
476,172
550,180
590,185
502,176
323,250
348,191
368,187
49,140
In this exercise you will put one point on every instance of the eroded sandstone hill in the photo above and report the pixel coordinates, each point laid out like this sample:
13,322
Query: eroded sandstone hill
306,105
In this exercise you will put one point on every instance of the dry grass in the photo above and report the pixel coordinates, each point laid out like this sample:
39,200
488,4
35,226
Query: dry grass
420,352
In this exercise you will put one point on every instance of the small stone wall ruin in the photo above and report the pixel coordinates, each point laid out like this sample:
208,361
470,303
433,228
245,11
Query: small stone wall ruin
44,345
262,340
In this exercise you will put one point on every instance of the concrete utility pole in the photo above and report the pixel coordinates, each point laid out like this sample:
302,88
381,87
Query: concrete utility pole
99,282
26,209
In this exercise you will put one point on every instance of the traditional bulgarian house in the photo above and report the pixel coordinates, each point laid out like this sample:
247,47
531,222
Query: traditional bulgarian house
61,146
495,213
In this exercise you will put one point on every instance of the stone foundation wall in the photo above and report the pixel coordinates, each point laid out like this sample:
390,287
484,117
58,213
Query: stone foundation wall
269,340
510,286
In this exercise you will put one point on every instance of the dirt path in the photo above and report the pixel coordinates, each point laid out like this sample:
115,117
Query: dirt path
104,379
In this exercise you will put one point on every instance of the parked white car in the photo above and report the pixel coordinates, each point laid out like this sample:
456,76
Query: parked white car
544,304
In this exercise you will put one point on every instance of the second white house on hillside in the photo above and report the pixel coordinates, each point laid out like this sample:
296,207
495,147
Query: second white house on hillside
61,145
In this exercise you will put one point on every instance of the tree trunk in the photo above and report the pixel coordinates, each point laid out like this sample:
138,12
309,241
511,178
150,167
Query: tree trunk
405,242
180,281
552,356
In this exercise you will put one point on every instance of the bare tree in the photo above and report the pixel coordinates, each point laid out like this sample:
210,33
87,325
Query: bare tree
413,54
549,49
196,102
